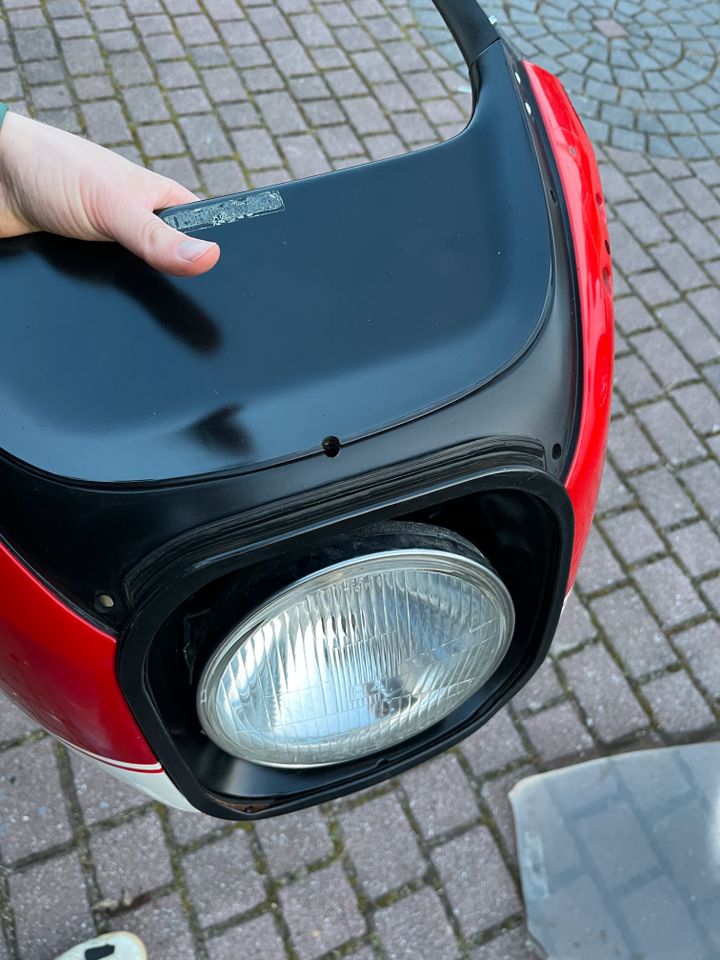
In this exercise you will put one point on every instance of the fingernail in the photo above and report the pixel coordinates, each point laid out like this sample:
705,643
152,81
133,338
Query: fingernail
192,249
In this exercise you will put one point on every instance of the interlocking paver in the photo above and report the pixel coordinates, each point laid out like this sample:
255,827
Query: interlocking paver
607,701
416,928
14,722
257,939
428,787
700,645
494,746
558,732
669,592
163,926
131,859
222,878
294,841
235,93
34,813
381,843
51,907
321,912
478,884
495,794
632,536
508,946
676,704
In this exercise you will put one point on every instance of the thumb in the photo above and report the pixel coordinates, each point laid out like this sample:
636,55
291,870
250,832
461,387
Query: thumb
163,247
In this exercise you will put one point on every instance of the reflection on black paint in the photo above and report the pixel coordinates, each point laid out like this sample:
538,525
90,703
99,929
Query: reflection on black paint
222,430
109,264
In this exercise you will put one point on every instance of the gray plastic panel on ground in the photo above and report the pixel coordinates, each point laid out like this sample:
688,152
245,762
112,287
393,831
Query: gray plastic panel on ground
620,857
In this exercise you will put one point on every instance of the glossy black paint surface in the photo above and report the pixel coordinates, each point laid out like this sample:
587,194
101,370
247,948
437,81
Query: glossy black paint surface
377,294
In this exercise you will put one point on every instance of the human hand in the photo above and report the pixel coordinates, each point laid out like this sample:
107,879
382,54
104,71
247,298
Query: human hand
52,180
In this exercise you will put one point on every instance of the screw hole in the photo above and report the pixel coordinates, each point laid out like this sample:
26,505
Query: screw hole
573,152
607,246
556,451
553,196
331,446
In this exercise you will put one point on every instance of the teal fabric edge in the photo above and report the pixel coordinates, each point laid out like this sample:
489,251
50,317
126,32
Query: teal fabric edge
3,112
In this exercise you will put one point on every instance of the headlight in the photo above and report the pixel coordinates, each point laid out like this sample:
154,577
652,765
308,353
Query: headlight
355,658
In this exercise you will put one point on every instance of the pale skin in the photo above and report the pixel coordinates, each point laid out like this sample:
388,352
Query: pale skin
54,181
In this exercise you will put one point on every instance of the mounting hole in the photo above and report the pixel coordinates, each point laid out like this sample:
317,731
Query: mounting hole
607,246
331,446
556,451
104,602
573,152
553,196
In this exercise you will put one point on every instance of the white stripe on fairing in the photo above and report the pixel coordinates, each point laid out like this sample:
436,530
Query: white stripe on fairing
152,780
122,764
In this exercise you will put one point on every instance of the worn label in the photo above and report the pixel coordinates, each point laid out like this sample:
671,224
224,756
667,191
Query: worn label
227,210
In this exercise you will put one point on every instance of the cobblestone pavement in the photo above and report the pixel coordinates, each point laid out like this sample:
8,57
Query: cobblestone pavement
223,94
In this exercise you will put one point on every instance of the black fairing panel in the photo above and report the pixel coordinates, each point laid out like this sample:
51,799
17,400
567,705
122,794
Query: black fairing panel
498,371
376,295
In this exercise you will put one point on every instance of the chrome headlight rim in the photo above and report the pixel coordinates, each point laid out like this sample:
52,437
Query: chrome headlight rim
474,568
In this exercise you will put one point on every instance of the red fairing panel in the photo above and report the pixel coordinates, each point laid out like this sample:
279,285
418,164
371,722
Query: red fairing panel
61,670
586,210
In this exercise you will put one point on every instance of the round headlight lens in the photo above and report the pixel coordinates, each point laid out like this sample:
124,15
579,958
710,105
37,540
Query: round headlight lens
356,657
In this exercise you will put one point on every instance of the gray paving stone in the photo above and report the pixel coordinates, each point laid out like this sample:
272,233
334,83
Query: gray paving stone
672,435
105,122
663,497
632,536
382,845
222,878
294,841
416,928
700,646
613,492
428,787
662,356
508,946
698,547
575,626
700,406
632,632
33,815
703,481
321,912
629,447
599,568
131,859
205,137
14,722
677,705
542,687
51,907
495,794
558,732
669,592
163,927
493,746
604,695
160,139
476,880
257,939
